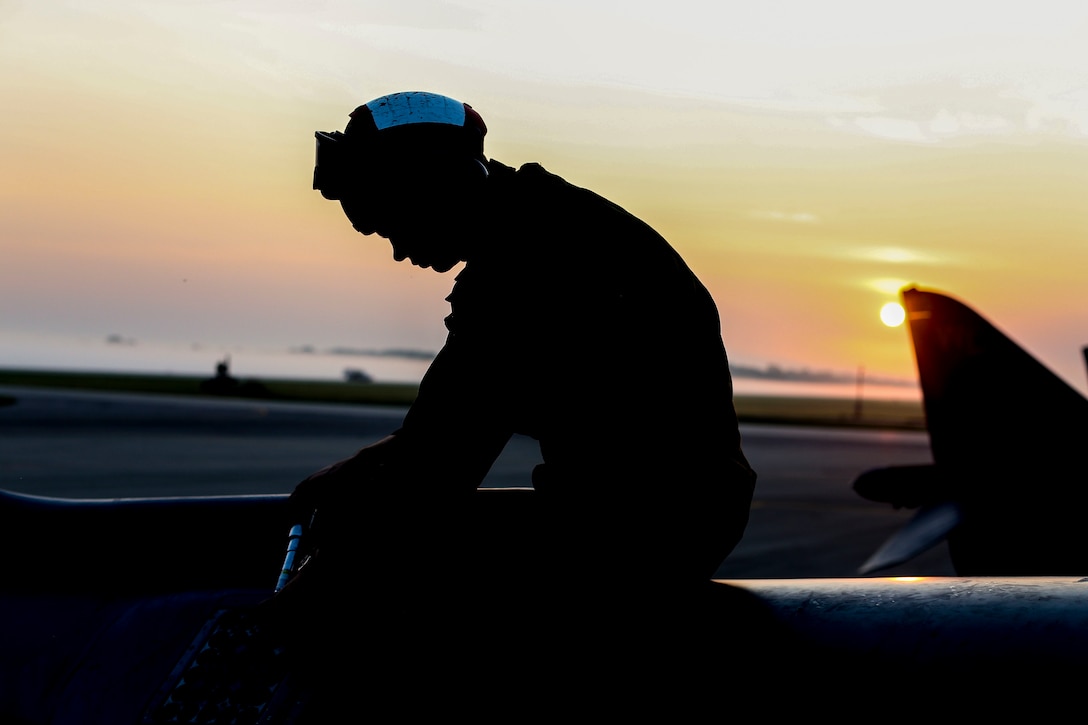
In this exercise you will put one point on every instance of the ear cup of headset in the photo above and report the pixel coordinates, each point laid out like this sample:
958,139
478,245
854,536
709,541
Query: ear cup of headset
460,175
478,169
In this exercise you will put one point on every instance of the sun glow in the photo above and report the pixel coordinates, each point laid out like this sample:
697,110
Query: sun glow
892,314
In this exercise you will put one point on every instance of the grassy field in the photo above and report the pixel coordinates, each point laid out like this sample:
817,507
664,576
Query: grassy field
841,412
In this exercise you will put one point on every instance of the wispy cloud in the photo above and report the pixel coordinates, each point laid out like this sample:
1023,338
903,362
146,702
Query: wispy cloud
783,216
804,375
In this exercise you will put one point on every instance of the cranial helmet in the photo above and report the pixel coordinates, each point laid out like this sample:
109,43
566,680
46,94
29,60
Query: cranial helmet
415,129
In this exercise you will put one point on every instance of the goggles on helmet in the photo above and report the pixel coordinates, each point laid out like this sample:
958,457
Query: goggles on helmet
333,160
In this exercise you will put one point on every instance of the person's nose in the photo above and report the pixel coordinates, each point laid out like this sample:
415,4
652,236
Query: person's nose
399,254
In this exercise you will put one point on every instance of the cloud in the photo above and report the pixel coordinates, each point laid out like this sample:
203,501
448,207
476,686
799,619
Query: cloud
963,107
400,353
781,216
895,255
804,375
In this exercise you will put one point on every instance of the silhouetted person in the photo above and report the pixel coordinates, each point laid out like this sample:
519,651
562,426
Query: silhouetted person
223,383
226,384
572,322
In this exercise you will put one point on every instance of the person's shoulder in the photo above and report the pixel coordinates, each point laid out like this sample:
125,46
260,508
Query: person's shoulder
531,181
594,211
534,169
533,176
530,172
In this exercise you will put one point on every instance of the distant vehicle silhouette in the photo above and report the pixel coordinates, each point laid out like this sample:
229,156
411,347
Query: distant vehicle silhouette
1007,485
355,375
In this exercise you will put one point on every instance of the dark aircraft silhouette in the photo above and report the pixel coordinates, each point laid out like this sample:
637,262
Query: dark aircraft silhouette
137,612
115,611
1008,486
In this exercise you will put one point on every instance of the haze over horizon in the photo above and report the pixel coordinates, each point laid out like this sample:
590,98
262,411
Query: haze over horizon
807,160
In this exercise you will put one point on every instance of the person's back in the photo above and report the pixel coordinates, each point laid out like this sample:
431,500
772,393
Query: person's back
580,326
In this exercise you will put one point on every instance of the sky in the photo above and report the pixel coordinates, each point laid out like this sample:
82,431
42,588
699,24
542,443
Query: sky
808,160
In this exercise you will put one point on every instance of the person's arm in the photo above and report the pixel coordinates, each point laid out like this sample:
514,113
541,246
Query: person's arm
450,436
459,422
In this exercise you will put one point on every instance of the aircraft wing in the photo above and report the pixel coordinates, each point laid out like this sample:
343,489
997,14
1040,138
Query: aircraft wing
927,528
102,645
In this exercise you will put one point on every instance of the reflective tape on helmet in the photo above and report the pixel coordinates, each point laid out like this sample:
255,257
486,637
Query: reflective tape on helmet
402,109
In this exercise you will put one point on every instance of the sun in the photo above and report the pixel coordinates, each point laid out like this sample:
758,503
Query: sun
892,314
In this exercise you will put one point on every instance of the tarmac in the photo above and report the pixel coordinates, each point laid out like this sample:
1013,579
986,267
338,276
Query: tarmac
806,521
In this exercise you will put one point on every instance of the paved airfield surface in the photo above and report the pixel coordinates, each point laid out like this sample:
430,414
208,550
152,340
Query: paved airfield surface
806,521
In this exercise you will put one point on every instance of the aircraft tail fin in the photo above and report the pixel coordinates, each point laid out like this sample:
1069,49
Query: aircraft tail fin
984,395
1007,438
1085,351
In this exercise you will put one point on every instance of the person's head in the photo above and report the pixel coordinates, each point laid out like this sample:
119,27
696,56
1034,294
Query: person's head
410,167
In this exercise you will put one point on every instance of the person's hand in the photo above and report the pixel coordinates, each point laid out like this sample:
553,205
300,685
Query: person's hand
324,487
290,614
320,486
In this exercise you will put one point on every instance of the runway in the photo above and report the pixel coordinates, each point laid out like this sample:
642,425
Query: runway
805,520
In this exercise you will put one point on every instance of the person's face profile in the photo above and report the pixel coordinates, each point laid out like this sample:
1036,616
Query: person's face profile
420,222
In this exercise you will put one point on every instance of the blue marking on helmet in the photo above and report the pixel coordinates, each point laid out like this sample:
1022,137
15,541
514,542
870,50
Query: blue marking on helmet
402,109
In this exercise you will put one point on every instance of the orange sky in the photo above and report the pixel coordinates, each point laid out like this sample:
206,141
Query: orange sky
157,159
